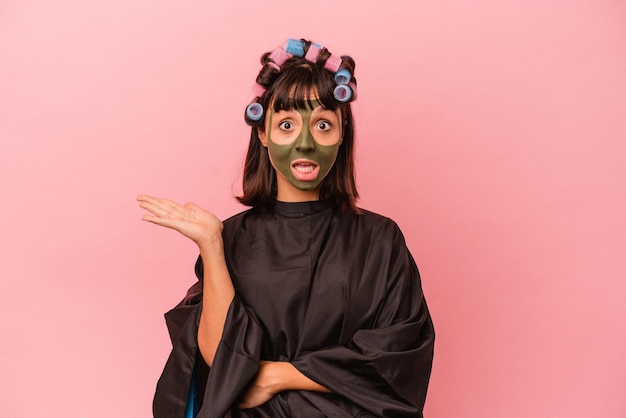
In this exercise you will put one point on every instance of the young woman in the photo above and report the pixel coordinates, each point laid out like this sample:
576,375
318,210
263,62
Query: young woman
305,305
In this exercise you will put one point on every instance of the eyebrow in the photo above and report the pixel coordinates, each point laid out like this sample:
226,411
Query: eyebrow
323,110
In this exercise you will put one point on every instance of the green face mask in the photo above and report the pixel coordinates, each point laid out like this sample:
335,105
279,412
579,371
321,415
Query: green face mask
306,159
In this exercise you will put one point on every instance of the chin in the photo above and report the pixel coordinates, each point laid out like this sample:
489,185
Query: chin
307,188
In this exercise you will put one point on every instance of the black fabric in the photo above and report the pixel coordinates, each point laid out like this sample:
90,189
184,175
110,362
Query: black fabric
336,294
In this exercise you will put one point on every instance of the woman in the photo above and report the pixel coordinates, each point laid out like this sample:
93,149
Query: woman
305,305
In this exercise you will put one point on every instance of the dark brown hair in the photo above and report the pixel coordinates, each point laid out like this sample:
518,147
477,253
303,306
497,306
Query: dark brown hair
295,85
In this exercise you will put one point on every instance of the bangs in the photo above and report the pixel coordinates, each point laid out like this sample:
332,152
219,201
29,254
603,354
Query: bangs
302,84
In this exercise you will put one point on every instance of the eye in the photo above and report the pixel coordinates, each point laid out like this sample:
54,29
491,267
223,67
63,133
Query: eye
323,125
285,125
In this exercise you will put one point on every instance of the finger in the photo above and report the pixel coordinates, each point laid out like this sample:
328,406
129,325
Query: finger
162,207
157,201
155,209
168,223
146,198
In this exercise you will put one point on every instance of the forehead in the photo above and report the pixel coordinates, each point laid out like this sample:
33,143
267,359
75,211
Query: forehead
301,97
314,109
296,103
310,104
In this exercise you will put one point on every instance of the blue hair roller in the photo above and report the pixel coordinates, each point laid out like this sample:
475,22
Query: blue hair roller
295,47
254,111
342,76
342,93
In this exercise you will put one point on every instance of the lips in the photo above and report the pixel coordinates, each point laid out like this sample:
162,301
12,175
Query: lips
305,170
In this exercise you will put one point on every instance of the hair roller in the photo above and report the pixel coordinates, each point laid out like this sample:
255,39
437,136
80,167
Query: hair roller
295,47
333,63
312,53
343,93
343,76
254,111
353,88
279,56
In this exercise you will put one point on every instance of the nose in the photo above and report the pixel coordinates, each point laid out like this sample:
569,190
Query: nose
304,141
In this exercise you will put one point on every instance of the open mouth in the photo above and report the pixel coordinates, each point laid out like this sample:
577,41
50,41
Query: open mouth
304,167
305,170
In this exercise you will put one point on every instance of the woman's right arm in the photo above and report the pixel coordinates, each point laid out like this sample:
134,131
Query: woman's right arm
202,227
218,294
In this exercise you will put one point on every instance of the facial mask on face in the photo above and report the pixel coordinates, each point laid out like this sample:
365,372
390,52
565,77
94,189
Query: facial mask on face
303,162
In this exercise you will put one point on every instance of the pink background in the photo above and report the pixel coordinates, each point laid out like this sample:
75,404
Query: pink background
493,132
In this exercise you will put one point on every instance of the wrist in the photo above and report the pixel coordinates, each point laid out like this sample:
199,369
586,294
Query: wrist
276,375
211,244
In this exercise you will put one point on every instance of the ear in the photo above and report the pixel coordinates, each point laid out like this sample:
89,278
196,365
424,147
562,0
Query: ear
262,137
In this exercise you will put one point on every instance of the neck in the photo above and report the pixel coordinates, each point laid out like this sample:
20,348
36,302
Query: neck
297,196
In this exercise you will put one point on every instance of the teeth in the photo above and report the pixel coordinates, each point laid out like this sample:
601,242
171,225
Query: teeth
304,168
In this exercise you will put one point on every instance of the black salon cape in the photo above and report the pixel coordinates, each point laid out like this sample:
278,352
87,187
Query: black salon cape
336,294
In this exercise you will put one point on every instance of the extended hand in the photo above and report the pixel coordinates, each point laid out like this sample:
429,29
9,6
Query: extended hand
189,219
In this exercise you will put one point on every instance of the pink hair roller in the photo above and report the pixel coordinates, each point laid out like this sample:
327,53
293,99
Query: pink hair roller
353,88
333,63
279,56
312,54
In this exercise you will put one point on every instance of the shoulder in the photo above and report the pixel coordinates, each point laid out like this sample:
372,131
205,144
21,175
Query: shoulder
237,218
377,221
234,223
374,218
378,228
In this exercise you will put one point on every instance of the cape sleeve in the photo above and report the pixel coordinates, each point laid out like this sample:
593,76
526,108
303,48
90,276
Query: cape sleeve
235,363
384,369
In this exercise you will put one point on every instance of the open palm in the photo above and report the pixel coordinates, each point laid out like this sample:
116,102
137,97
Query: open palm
189,219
